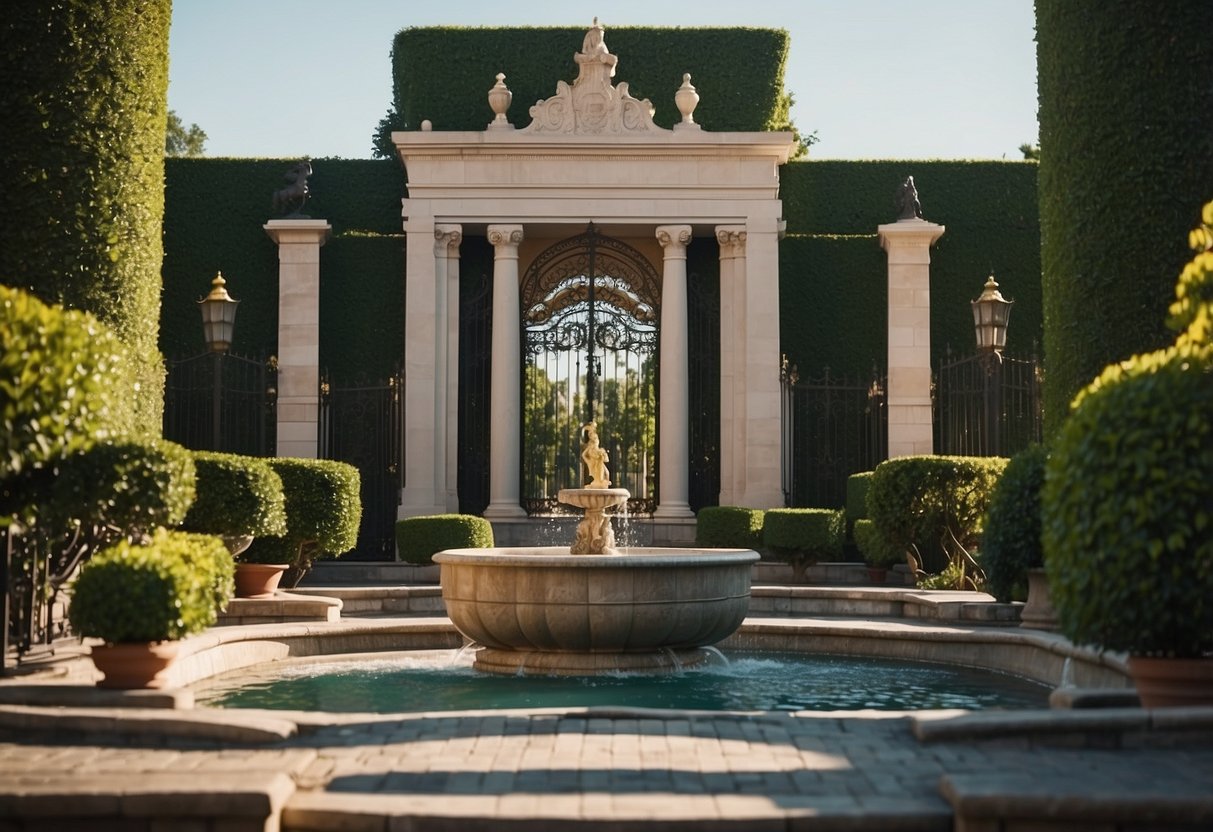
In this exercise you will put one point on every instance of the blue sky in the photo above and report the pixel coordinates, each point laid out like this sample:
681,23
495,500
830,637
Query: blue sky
877,79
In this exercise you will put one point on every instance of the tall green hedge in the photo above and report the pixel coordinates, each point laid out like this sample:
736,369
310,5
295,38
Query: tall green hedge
444,73
1126,137
84,104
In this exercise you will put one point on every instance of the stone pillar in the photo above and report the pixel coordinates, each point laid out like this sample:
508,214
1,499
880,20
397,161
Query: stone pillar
908,243
673,438
446,241
452,372
420,494
298,407
505,391
732,276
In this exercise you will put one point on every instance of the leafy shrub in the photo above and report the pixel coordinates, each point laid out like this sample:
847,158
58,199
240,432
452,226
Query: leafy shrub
237,495
804,536
157,591
729,527
323,512
932,506
1011,542
875,552
210,559
418,538
857,496
1128,498
124,487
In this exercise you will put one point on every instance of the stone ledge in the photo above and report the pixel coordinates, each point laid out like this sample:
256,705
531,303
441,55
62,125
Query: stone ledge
200,725
283,607
1094,728
89,696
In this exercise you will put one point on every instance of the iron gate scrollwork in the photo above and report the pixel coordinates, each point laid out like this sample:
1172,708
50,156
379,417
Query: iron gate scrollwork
590,319
987,404
222,402
362,423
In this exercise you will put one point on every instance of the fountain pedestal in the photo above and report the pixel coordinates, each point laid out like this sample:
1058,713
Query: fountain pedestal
595,535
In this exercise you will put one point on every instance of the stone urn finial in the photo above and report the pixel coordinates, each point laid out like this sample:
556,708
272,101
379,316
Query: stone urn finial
500,98
687,99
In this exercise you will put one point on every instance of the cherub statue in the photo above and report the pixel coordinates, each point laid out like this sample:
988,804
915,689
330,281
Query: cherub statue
594,456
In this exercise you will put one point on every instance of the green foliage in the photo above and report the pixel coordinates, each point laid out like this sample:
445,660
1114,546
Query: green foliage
857,496
418,538
209,557
873,548
831,258
127,486
1128,495
182,141
163,590
237,495
64,381
323,511
804,536
930,505
1126,131
1011,542
738,72
84,103
729,527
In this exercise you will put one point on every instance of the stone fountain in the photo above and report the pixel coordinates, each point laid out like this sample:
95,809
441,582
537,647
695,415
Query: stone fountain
589,608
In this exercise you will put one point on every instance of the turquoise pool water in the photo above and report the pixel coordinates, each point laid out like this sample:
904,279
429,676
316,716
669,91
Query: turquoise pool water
754,681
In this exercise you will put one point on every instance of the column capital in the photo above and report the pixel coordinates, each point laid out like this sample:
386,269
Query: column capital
913,233
674,238
447,239
504,235
733,237
313,232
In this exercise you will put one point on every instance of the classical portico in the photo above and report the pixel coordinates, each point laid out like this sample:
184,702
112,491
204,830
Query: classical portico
591,156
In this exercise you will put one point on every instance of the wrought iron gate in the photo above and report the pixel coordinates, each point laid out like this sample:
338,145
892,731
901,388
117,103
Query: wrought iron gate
222,402
987,405
832,427
703,336
363,424
590,313
475,365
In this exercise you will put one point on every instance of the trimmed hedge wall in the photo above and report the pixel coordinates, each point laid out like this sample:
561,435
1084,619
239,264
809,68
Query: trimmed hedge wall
84,103
1126,135
444,74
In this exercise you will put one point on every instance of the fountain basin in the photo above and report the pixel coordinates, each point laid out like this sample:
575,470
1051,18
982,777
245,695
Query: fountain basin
542,610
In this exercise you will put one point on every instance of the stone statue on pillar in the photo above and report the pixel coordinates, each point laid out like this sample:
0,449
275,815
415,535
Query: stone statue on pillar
908,206
289,201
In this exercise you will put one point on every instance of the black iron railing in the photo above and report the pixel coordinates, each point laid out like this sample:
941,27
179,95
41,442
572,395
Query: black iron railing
987,405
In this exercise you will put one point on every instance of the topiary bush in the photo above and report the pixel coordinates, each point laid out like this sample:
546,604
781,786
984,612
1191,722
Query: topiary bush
237,496
804,536
873,548
323,511
729,527
418,538
210,558
1127,518
163,590
1011,543
932,507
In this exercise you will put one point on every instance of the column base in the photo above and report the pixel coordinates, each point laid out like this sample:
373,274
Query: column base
672,511
504,511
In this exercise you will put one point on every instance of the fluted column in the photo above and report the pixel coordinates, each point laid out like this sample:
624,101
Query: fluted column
674,408
505,428
452,374
446,241
732,357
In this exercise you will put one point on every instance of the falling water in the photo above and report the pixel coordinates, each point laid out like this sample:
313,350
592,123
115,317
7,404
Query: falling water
724,660
467,645
673,659
1067,674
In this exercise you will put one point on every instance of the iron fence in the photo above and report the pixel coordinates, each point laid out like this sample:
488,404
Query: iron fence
222,402
987,405
833,426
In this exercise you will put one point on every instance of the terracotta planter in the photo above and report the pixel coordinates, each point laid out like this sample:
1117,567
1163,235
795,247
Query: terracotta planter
258,580
1038,613
878,574
134,666
1172,683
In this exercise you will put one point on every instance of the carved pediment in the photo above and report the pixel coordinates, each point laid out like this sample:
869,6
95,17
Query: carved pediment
592,105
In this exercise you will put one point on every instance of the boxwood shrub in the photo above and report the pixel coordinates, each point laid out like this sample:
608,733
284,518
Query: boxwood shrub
418,538
804,536
729,527
237,495
162,590
873,548
920,503
323,512
1011,541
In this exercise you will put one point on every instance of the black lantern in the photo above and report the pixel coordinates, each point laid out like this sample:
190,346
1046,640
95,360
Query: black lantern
218,316
991,312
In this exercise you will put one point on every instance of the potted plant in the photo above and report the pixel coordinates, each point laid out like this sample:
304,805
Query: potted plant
878,555
804,536
1128,504
140,599
240,498
323,513
1012,554
419,538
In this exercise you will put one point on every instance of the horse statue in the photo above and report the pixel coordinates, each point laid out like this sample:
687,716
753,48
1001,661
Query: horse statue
289,201
908,206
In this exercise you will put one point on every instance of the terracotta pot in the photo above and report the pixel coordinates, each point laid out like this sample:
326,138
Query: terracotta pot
1038,613
258,580
878,574
134,666
1172,683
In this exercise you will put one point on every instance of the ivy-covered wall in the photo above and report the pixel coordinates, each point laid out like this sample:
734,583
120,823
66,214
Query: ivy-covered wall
84,108
444,74
214,213
1126,138
833,272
